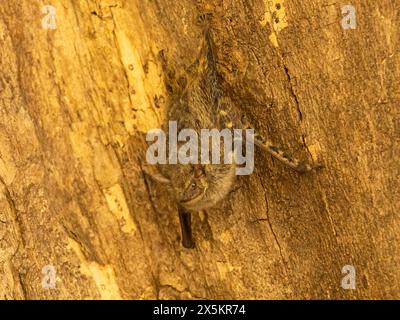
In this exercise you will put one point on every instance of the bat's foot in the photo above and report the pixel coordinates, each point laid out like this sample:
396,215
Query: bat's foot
204,19
304,167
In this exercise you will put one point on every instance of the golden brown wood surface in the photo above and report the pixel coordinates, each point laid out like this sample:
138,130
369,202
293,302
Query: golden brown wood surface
76,101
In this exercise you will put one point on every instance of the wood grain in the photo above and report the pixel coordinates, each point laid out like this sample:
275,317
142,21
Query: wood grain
75,103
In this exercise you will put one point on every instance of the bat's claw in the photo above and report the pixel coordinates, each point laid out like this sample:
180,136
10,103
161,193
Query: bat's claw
204,19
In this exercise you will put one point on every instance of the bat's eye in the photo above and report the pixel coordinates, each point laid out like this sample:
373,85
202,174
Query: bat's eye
192,192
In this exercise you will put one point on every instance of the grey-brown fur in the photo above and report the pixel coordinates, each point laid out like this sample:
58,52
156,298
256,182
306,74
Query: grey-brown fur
198,102
196,106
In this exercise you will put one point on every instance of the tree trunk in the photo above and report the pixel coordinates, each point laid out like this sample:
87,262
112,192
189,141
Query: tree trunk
76,101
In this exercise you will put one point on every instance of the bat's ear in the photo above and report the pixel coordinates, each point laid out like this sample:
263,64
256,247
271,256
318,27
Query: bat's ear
155,175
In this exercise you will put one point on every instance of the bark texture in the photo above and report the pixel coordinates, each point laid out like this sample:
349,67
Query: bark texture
76,101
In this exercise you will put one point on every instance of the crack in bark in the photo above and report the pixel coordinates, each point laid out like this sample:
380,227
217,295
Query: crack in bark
297,102
271,228
291,90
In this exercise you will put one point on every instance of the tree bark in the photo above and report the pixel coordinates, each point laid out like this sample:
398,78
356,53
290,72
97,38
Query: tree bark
76,101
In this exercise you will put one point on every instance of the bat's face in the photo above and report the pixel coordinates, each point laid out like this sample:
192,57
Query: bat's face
199,186
188,182
194,187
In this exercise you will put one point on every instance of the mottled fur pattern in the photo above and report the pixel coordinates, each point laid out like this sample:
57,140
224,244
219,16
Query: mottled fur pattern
198,102
196,106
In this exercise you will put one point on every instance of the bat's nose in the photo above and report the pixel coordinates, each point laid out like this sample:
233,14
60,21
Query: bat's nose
190,194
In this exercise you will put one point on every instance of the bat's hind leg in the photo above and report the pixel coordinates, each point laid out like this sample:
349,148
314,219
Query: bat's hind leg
277,153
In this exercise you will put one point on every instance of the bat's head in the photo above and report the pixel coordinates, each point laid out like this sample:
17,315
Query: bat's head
200,186
194,187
